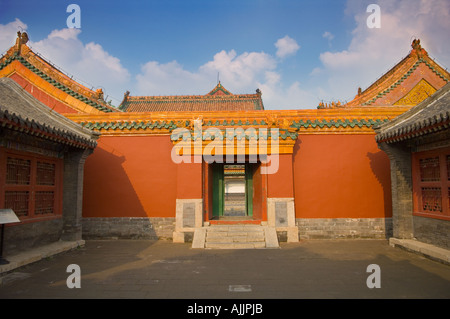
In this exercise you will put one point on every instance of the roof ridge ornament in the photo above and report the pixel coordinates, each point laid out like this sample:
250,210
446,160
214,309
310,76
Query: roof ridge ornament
219,90
417,48
416,44
22,38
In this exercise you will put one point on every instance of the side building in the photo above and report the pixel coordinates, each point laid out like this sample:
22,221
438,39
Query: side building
42,155
418,145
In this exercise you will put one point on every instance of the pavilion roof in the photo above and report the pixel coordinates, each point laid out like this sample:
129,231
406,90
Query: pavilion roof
431,115
218,99
20,111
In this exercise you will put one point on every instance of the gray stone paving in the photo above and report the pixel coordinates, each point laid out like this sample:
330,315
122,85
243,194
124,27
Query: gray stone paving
323,269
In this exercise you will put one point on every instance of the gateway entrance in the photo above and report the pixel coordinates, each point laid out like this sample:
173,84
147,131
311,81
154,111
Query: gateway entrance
232,191
235,191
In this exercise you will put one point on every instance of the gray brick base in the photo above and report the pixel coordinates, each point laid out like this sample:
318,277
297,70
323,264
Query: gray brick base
334,228
432,231
128,227
19,238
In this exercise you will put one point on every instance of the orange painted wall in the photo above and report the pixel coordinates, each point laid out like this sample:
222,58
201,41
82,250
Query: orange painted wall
130,176
334,176
189,180
280,184
341,176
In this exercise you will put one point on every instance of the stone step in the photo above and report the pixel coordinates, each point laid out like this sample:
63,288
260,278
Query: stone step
239,236
235,245
228,238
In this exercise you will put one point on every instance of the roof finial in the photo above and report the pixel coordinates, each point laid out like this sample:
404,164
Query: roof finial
417,48
22,38
416,44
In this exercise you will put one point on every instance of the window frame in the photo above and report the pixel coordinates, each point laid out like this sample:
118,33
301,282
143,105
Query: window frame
443,183
33,187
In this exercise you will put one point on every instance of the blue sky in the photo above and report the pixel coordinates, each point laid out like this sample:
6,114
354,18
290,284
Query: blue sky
297,52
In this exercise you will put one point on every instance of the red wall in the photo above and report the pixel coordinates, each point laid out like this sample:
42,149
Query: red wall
334,176
130,177
280,183
341,176
42,96
189,180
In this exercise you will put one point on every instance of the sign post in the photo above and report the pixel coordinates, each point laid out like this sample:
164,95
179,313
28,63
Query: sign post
7,216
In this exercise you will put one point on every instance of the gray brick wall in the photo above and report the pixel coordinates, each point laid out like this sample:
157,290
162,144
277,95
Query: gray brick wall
432,231
335,228
401,188
128,227
19,238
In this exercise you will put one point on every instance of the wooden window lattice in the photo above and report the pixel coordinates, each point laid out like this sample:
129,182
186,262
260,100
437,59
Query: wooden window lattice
18,171
30,186
448,167
432,199
45,174
430,169
44,202
17,201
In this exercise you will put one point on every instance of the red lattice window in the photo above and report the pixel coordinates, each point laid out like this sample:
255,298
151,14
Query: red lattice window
431,183
448,167
30,185
44,203
431,199
18,171
17,201
430,170
45,173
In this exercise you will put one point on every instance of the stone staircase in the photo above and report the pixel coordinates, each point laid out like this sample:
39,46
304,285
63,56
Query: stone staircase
239,236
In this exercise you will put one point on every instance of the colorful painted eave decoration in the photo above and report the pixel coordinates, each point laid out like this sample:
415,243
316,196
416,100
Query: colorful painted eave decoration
408,83
290,123
404,77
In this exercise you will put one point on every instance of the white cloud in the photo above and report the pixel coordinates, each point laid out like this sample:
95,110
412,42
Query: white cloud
372,52
8,34
238,73
278,96
241,71
88,63
286,46
168,79
65,34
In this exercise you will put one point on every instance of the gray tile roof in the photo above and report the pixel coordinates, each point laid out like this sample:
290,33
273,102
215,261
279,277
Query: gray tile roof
20,110
429,116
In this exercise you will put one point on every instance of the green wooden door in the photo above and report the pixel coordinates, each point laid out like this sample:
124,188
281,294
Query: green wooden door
249,188
218,190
